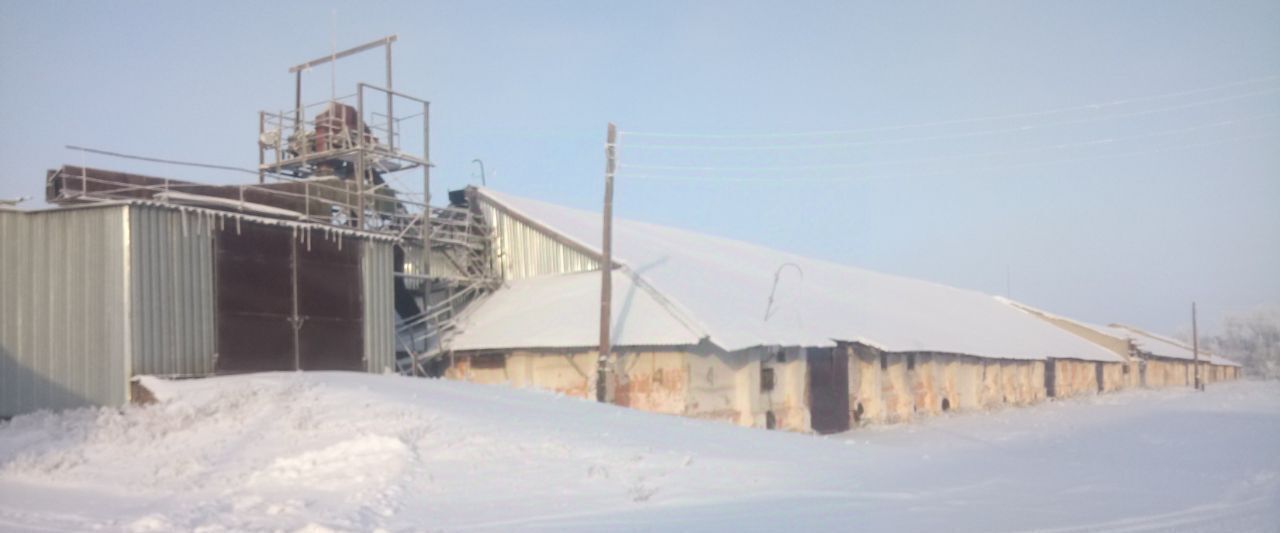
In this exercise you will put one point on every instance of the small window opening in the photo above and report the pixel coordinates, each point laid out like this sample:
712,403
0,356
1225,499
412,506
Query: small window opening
911,361
946,405
770,421
857,412
884,362
1126,370
781,356
766,379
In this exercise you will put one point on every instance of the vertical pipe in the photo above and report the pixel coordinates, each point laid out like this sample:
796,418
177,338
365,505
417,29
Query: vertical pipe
391,131
606,268
299,129
297,95
360,156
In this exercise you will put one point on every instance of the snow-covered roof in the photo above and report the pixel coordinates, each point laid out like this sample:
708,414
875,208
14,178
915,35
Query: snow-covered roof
562,311
1117,334
1161,346
212,215
722,288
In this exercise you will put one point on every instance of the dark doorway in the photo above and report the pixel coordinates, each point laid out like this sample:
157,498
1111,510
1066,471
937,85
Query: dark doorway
261,326
1050,376
828,390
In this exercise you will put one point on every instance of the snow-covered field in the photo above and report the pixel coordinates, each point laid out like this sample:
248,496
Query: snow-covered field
338,451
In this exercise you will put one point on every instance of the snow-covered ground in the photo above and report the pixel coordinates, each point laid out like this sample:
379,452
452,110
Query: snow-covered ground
338,451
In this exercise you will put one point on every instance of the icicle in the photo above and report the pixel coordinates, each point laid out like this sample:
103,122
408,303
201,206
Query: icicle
237,225
308,239
184,216
222,223
339,242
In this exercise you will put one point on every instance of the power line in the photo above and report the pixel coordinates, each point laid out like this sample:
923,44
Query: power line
1084,107
165,161
1093,142
979,133
762,179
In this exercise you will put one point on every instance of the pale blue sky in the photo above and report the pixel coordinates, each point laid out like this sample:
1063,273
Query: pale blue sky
1181,204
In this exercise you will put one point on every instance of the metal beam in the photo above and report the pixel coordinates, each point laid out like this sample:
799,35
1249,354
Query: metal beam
385,41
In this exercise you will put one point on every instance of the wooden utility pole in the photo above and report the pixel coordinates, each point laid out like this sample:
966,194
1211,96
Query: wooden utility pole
1195,347
606,267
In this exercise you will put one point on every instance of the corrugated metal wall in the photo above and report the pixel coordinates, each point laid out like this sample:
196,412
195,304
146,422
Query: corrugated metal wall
64,312
525,252
172,290
91,296
379,306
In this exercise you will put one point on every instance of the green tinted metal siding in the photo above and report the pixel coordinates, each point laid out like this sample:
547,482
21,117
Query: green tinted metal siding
171,282
379,307
64,312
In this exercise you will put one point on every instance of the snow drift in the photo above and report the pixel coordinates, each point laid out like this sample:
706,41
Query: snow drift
339,451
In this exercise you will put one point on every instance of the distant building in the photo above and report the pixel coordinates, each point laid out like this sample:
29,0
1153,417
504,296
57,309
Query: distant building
1153,360
714,328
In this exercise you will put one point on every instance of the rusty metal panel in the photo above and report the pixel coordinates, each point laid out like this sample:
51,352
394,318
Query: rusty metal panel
171,282
378,273
64,308
828,389
287,300
330,310
524,251
254,275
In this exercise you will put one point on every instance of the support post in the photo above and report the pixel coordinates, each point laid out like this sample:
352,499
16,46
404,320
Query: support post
606,267
391,130
262,157
1195,347
426,209
360,157
297,98
296,319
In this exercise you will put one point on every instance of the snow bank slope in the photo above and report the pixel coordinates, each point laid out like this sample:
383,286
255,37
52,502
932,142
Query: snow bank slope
337,451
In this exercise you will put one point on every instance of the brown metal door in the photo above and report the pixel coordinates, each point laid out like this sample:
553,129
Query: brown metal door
261,326
254,283
330,306
828,390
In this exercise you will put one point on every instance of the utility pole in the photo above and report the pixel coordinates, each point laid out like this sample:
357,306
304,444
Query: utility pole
1195,347
606,267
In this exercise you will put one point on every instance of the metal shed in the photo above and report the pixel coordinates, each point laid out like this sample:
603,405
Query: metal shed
92,295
